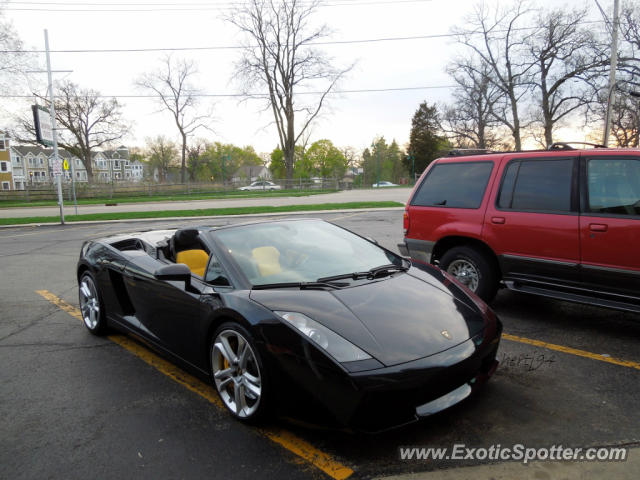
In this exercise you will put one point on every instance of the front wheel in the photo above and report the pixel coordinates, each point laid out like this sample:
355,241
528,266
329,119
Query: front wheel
238,372
91,305
473,269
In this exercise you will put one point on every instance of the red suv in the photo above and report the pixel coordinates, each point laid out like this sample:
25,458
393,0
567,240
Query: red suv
564,223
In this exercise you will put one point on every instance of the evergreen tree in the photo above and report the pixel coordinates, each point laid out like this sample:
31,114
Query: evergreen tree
425,141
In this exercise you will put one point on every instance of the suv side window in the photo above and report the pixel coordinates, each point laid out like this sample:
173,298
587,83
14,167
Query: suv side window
613,186
454,185
537,185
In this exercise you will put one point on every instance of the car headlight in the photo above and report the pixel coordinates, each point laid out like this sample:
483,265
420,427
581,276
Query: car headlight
336,346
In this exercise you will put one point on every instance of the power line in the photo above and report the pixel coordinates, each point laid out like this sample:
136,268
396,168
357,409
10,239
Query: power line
171,7
240,47
265,95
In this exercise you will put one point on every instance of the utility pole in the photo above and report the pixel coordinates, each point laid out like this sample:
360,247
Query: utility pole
378,158
612,71
52,111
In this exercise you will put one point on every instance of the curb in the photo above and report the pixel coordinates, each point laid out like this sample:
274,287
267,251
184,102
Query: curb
246,215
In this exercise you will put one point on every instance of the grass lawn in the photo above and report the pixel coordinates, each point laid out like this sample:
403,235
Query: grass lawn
206,212
166,198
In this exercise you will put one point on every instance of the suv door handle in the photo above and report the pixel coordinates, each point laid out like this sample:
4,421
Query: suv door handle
498,220
598,227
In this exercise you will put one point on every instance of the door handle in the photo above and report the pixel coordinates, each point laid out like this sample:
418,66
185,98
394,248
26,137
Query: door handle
498,220
598,227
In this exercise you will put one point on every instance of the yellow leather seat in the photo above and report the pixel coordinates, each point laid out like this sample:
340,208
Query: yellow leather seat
268,260
196,260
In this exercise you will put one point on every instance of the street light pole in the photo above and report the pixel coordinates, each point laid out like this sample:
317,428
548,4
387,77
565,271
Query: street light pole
52,112
612,72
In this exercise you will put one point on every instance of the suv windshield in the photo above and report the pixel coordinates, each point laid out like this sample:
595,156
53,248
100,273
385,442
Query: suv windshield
300,251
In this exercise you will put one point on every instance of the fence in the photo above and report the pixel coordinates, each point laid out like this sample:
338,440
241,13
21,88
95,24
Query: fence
121,190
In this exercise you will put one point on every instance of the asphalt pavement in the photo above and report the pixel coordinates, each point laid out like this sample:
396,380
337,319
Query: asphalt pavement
76,406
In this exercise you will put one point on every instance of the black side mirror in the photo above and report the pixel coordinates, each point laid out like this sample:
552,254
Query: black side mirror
177,271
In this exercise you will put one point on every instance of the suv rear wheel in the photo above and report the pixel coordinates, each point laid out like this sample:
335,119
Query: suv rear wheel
473,269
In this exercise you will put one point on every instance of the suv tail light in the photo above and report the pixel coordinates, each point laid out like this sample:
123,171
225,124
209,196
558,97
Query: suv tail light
406,222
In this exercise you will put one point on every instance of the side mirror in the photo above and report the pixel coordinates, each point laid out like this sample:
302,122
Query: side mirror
178,271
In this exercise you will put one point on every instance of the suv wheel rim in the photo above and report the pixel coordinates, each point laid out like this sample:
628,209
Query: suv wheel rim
236,373
466,273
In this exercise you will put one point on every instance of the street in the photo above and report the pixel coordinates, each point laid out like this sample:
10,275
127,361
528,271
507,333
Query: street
77,406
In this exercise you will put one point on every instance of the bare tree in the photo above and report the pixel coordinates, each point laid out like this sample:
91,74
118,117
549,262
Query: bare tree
469,121
162,153
172,83
86,122
14,60
568,59
500,47
629,60
625,121
279,56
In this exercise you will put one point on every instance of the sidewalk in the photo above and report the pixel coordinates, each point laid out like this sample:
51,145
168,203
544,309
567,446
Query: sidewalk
369,195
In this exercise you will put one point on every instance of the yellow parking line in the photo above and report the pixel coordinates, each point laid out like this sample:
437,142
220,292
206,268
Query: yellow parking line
572,351
289,441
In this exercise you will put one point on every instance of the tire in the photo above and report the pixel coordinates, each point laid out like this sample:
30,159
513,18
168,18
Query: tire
91,305
240,379
473,269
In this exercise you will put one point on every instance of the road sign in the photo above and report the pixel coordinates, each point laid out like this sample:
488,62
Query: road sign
43,125
65,164
57,167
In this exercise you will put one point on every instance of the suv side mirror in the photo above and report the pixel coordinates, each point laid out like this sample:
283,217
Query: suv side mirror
178,271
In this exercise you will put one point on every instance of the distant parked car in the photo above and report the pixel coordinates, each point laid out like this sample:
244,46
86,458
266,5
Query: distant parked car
261,185
384,184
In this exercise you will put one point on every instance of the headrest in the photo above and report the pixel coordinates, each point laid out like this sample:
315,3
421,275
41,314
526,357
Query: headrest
186,239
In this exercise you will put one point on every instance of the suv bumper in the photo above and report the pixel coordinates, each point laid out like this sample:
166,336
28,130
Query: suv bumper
417,249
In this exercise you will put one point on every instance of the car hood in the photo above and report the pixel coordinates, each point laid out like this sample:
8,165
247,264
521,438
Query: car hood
396,319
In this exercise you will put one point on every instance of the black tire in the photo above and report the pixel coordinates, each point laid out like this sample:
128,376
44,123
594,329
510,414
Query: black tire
240,375
91,305
487,274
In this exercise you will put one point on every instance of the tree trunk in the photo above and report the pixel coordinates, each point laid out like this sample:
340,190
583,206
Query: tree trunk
184,160
89,166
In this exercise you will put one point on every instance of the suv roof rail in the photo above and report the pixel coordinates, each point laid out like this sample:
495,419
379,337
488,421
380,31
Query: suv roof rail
567,145
461,152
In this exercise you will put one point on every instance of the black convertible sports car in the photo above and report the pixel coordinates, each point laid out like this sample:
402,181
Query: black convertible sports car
283,312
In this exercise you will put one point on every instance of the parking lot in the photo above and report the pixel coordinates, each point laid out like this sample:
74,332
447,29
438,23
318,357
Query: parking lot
74,405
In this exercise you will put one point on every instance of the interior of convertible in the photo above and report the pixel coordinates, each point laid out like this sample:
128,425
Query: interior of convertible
257,257
278,252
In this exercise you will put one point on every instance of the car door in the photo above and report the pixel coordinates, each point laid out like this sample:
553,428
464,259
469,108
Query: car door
532,222
610,223
169,314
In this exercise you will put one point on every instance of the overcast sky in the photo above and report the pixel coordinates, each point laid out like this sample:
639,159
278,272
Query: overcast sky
353,119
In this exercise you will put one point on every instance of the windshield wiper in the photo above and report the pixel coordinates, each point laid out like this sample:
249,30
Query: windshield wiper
375,272
301,285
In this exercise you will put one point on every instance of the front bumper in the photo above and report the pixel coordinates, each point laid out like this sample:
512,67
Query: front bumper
380,399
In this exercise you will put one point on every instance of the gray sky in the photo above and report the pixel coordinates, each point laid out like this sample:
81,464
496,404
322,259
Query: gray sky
352,119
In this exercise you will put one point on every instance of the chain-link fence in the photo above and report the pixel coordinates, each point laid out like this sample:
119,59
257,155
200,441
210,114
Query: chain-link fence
175,191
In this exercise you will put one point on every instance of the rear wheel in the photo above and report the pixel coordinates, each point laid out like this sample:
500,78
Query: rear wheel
473,269
91,306
238,372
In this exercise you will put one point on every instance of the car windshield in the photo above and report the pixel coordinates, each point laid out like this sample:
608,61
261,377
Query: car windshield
300,251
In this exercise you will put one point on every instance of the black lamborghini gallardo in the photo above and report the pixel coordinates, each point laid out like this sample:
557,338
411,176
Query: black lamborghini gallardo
283,312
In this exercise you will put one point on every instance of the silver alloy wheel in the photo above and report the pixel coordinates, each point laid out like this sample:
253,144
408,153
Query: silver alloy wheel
89,302
465,272
236,373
